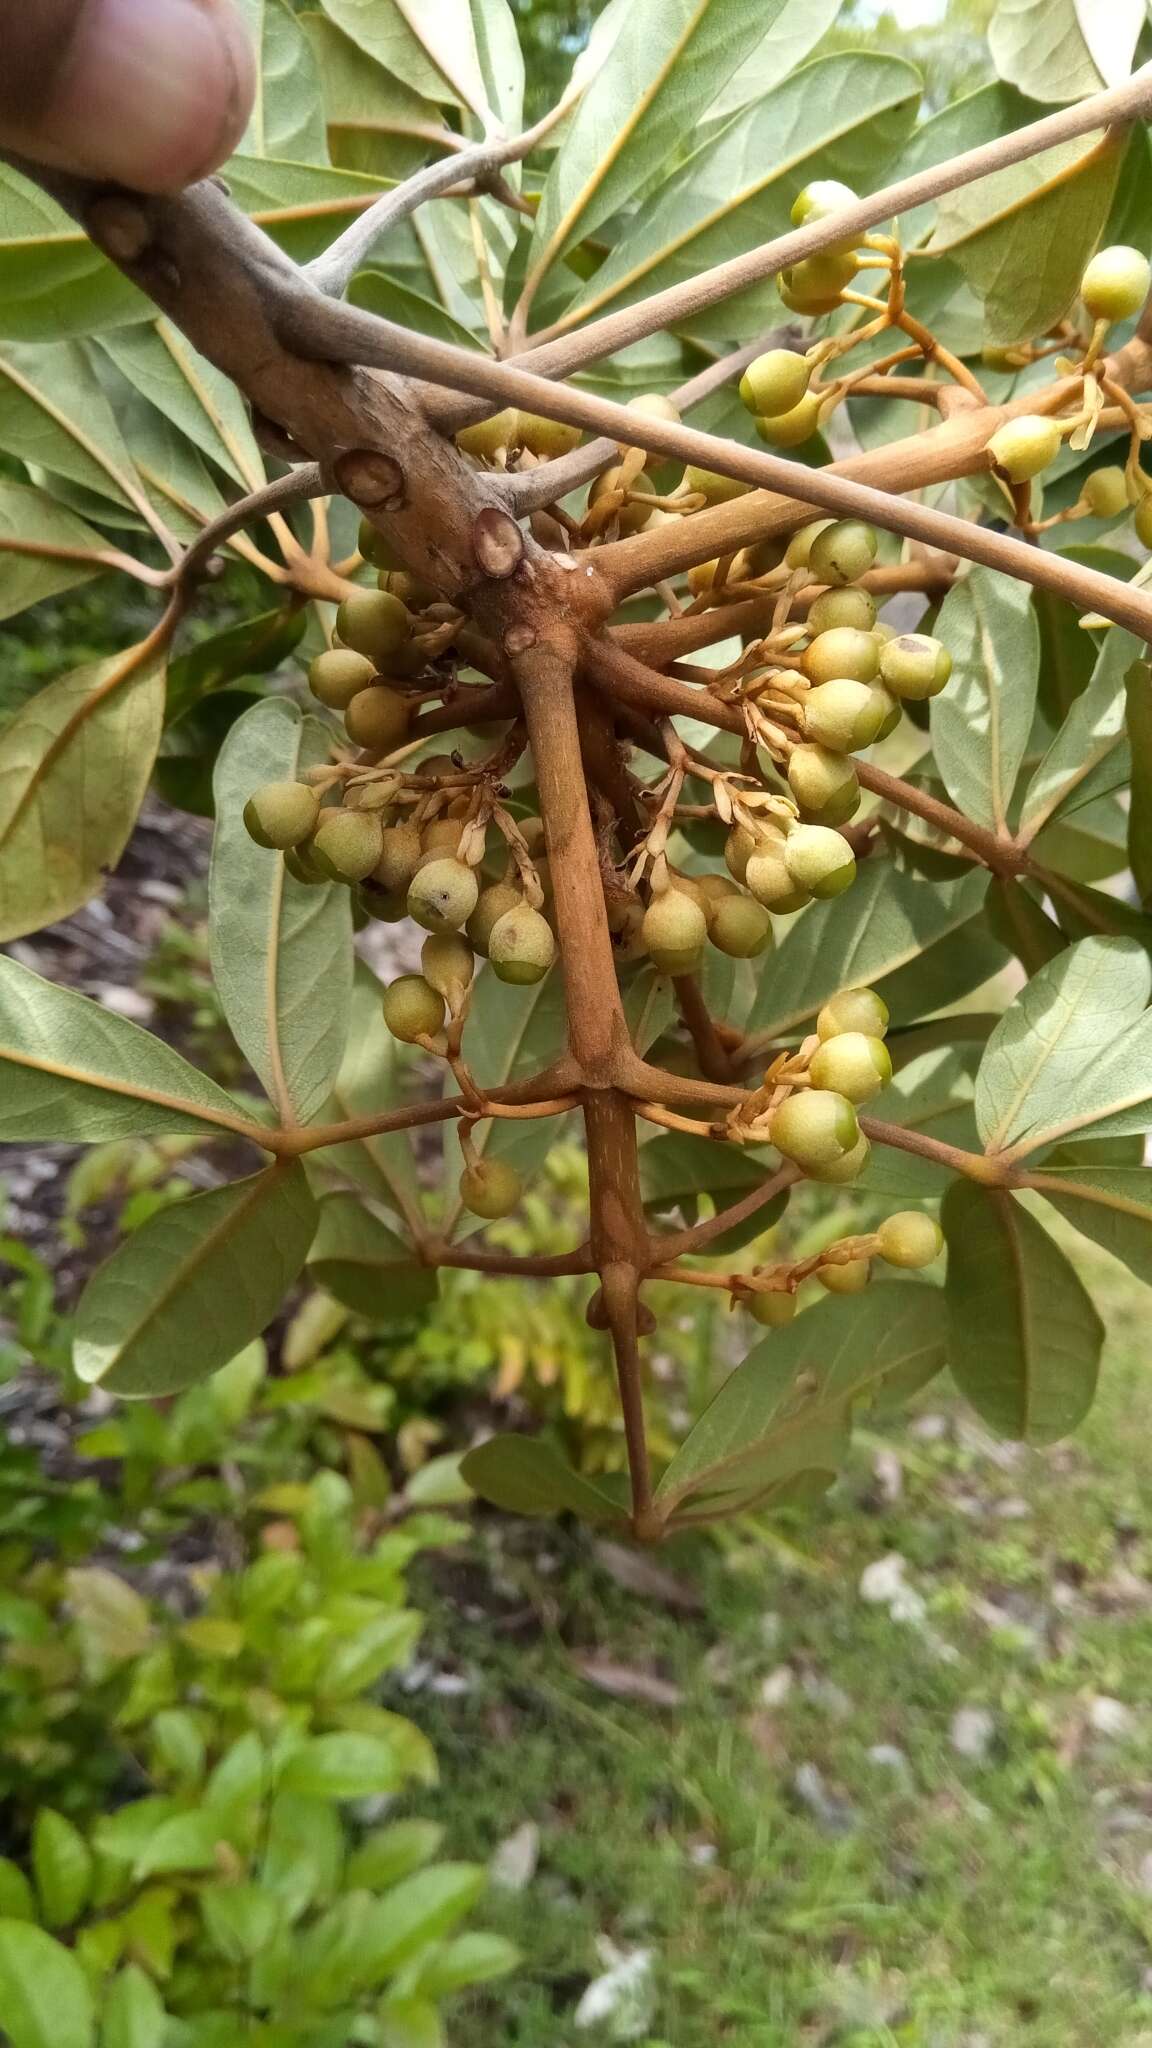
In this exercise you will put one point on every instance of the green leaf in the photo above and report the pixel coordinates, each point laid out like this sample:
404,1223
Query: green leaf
44,1997
373,1079
134,2015
524,1475
391,1853
1138,719
1025,1340
281,951
1111,34
74,767
37,539
510,1033
932,1095
77,1073
62,1866
1039,46
302,206
427,43
112,1620
253,648
365,1265
53,281
287,119
198,399
1110,1204
1091,733
185,1842
368,110
670,58
240,1919
53,413
1067,655
676,1169
982,722
888,919
470,1959
788,1408
501,61
1073,1053
190,748
375,291
194,1285
421,1910
342,1766
1023,236
791,37
304,1854
1023,923
16,1898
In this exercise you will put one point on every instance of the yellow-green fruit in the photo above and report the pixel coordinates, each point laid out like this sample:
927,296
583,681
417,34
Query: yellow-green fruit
739,927
281,814
491,905
1115,284
377,719
815,1128
800,546
1143,522
490,1189
839,809
819,201
821,780
844,651
815,285
521,946
819,860
488,437
887,710
789,429
413,591
854,1009
443,834
852,1064
634,514
448,966
301,866
338,676
914,666
772,1310
713,889
849,607
443,894
771,882
346,844
710,485
844,552
399,852
387,906
1022,447
376,548
739,847
845,1170
910,1239
1106,492
775,382
845,714
546,438
674,931
850,1277
373,623
413,1008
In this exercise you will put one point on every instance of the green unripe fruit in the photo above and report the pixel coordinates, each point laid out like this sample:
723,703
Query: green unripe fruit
914,666
346,844
413,1009
711,890
491,1189
386,906
673,932
1106,492
739,847
488,437
844,714
1022,447
800,546
632,516
376,548
773,1310
301,866
815,285
373,623
338,676
1143,522
546,438
853,1065
715,488
815,1128
770,881
448,966
491,905
819,860
412,591
521,946
910,1239
739,927
377,718
818,201
442,895
850,607
775,382
888,710
1115,284
847,1169
281,814
844,651
821,779
399,852
789,429
442,835
844,552
850,1277
854,1009
839,810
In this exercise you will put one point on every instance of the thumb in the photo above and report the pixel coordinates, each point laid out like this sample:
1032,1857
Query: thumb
152,94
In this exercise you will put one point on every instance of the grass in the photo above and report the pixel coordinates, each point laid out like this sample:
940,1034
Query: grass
922,1898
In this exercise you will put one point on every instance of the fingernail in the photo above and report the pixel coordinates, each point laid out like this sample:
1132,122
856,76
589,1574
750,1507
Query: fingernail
154,93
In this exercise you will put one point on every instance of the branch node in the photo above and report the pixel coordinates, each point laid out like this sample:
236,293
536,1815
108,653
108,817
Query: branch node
121,226
371,479
498,544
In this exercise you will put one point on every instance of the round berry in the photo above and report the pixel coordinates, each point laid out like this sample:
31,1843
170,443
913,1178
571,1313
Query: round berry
377,718
1143,522
844,1171
852,1064
281,814
442,895
819,860
815,1128
844,552
412,591
914,666
492,1188
850,1276
1115,284
772,1309
775,382
546,438
716,489
770,881
844,714
819,201
1106,492
346,844
634,514
387,906
849,607
739,847
815,285
821,780
854,1009
301,866
373,623
491,905
910,1239
487,437
799,547
674,931
1022,447
739,927
400,851
338,676
656,405
376,548
843,651
789,429
448,966
413,1008
521,946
